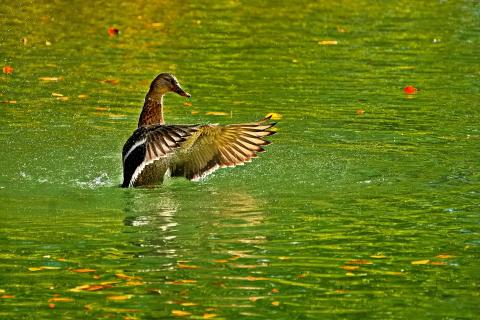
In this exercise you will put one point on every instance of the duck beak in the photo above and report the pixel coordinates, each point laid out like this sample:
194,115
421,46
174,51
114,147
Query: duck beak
181,92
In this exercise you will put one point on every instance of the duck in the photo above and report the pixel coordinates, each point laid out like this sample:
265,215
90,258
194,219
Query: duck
156,150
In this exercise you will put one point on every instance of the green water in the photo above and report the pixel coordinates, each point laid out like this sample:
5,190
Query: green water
346,216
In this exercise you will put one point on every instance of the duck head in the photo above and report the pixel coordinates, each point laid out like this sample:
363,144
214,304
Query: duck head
164,83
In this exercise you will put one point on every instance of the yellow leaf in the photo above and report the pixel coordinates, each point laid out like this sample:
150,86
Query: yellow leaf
194,112
274,116
60,299
395,273
186,281
180,313
2,291
275,303
110,81
187,104
119,298
84,270
350,268
216,113
444,256
50,78
90,287
7,296
327,42
188,304
42,268
134,283
82,96
438,263
359,261
209,315
63,98
56,94
420,262
378,256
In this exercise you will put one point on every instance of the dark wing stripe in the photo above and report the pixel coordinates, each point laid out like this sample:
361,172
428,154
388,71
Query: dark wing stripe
248,144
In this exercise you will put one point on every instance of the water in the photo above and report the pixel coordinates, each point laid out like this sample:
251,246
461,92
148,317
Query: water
346,216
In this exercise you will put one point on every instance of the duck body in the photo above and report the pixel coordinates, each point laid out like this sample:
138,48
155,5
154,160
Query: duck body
156,150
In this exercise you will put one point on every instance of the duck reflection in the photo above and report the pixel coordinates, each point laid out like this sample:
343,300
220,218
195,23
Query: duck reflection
175,223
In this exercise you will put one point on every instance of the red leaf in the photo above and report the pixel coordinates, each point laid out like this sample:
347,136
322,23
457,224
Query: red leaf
7,70
410,89
112,32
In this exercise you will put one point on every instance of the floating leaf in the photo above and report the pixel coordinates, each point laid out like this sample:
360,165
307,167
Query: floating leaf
82,96
185,281
60,299
410,89
420,262
275,303
327,42
8,69
274,116
275,290
43,268
395,273
110,81
253,299
187,104
186,266
378,256
84,270
63,98
56,94
221,261
50,78
350,268
51,305
194,112
127,277
157,24
209,315
188,304
359,261
216,113
438,263
91,287
444,256
9,101
360,112
250,278
112,32
180,313
24,40
134,283
120,298
7,296
2,291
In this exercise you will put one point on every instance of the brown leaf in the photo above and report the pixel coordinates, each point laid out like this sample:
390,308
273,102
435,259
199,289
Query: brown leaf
110,81
221,261
275,290
126,277
186,266
7,70
438,263
84,270
7,296
51,305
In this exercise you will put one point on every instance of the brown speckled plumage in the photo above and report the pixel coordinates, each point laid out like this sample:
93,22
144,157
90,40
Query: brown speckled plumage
156,150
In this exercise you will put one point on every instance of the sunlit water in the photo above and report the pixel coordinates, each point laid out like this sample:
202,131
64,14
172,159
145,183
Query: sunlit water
366,205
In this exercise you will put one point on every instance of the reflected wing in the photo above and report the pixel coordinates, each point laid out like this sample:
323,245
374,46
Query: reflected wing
150,143
212,147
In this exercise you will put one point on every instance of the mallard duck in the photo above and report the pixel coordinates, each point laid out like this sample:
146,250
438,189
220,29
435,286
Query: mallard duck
157,150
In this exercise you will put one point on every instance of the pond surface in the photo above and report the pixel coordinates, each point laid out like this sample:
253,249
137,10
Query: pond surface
366,205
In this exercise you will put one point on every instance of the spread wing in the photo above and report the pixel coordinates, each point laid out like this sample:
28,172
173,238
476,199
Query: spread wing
212,147
150,143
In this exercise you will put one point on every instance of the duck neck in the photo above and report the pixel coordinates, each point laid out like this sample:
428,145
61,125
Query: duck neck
152,112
